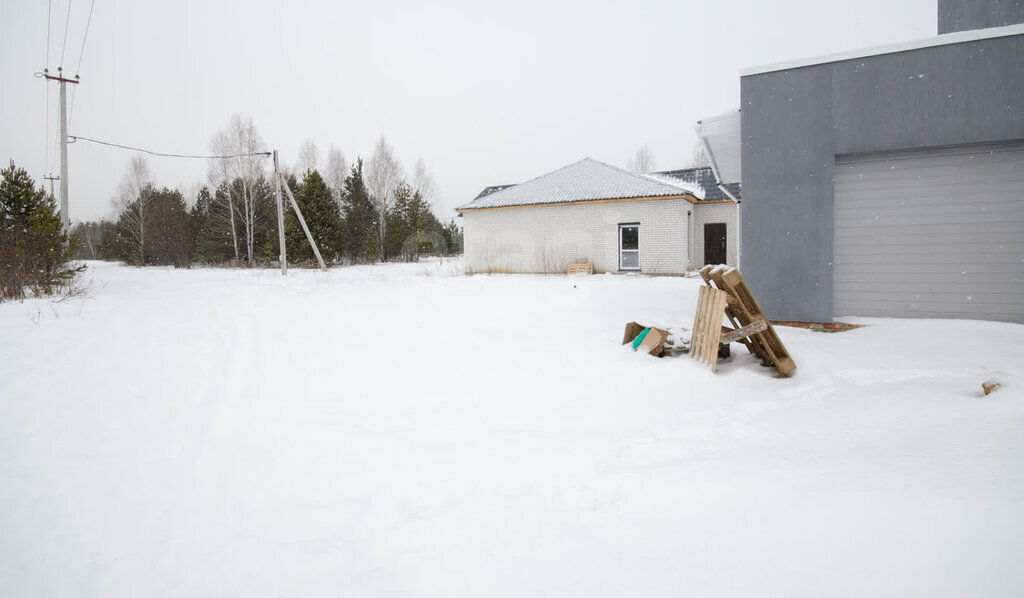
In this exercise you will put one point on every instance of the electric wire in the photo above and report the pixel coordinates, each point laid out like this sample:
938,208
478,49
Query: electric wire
49,9
67,22
46,140
84,37
167,155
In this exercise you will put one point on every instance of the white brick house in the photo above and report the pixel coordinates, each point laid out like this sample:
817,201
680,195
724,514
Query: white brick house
593,212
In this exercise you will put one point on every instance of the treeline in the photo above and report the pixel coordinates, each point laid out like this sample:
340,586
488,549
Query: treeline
355,214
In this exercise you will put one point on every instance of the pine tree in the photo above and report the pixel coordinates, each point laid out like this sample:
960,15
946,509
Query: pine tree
168,240
413,229
360,218
211,223
323,219
452,237
400,222
34,249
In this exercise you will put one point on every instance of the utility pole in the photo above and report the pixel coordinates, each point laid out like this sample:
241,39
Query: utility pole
280,219
64,220
302,221
52,178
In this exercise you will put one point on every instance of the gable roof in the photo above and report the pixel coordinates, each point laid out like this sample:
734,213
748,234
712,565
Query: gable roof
586,180
703,176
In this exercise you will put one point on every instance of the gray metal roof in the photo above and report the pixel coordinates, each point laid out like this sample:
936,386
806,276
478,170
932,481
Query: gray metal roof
704,177
492,189
586,180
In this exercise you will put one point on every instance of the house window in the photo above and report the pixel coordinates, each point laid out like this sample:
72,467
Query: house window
629,247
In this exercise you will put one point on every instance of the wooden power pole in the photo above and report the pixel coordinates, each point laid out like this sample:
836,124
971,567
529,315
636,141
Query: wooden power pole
280,181
52,178
280,219
63,81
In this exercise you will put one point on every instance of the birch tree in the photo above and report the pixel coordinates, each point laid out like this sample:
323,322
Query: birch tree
383,175
336,170
132,202
642,161
423,182
699,158
309,157
243,143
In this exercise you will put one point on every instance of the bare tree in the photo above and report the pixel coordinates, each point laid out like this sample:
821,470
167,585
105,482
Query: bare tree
337,170
383,175
132,203
243,143
309,156
423,182
642,161
699,158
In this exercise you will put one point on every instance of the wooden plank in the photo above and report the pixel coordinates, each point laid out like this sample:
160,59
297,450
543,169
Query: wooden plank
735,335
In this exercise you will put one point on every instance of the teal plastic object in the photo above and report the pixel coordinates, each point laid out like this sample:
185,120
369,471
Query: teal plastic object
640,338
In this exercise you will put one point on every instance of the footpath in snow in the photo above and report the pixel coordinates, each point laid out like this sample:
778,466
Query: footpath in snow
402,430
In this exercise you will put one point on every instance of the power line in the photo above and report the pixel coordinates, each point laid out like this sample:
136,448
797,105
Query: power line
166,155
49,9
67,22
84,37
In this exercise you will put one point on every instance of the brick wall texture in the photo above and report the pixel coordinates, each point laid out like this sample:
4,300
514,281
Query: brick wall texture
546,239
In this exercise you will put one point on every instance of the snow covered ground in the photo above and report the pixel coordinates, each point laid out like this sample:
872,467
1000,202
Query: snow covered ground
404,431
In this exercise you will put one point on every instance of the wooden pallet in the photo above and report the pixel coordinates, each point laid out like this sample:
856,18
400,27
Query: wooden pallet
750,325
707,326
581,268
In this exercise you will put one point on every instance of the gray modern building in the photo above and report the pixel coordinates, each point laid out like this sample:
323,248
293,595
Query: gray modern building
890,181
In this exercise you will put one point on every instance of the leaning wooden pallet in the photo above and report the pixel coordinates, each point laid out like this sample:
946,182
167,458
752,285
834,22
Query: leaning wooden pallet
707,326
749,321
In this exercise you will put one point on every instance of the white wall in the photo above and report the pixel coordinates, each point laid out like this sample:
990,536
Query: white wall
548,238
711,213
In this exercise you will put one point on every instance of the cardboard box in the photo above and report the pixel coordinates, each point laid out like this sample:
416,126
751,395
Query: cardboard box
653,344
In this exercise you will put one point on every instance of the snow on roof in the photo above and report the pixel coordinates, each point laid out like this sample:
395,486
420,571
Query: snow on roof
703,178
690,186
585,180
492,189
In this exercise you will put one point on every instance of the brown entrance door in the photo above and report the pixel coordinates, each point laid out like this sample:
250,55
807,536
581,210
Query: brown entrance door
714,243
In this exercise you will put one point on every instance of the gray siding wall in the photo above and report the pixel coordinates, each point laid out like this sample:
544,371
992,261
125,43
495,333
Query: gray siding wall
795,122
966,15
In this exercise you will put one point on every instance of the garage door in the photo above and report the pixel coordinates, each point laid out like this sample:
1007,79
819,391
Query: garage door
931,233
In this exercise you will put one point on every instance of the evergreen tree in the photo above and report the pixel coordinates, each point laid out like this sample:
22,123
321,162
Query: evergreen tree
399,222
267,248
323,219
452,237
213,221
34,249
360,218
168,240
413,230
212,242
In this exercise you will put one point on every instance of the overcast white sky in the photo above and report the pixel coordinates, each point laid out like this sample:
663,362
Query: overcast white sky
484,93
